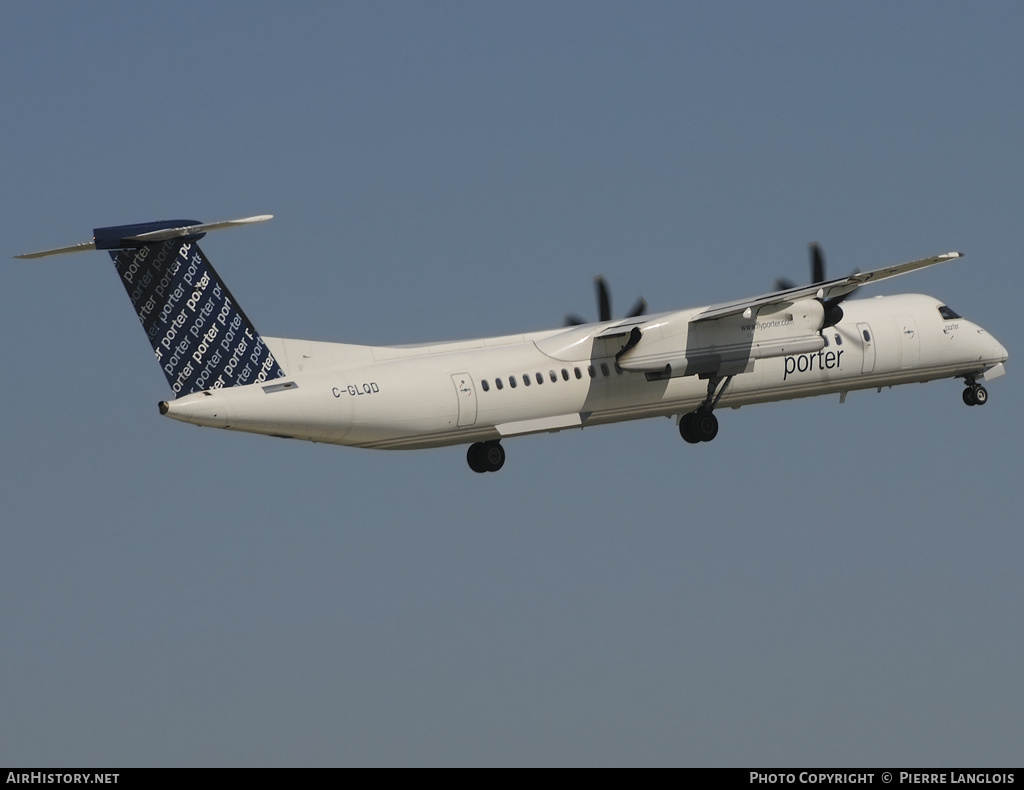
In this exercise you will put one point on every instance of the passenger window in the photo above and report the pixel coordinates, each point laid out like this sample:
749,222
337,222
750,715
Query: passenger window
839,339
591,371
526,380
867,337
554,376
579,374
604,368
540,379
565,374
485,386
512,382
948,314
826,340
618,370
498,384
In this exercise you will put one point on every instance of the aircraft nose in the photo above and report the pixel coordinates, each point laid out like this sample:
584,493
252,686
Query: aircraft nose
1000,351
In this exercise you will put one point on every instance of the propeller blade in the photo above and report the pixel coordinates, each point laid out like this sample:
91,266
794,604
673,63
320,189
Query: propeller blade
817,263
604,305
604,301
833,312
837,299
639,308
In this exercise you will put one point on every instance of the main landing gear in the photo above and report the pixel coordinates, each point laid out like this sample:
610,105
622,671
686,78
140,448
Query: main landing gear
485,456
975,394
702,425
698,426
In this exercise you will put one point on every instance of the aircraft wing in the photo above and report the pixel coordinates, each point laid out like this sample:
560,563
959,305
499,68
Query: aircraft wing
825,290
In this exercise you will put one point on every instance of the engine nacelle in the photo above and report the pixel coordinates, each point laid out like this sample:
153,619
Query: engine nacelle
729,345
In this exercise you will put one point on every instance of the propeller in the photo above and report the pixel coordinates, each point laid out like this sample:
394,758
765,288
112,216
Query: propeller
604,305
833,312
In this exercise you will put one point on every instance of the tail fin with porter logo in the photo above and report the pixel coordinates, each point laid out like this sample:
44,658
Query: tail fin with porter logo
201,337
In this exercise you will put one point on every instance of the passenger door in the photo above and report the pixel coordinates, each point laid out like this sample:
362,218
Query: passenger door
465,391
910,343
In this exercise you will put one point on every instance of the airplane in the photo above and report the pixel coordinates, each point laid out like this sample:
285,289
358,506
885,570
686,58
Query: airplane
794,342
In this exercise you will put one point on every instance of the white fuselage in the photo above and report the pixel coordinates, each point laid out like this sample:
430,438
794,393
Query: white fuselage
477,390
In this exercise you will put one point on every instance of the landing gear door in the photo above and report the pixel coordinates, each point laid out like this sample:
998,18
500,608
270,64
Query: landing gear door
465,391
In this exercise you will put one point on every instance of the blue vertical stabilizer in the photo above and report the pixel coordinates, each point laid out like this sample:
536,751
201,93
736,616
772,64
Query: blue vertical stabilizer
201,337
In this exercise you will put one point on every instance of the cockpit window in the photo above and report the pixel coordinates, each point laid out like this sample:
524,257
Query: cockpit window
946,313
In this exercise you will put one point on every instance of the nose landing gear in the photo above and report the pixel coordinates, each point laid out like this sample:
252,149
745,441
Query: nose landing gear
975,394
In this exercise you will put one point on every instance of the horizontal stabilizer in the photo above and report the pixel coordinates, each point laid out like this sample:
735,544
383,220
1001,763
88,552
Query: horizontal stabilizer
197,230
80,247
126,237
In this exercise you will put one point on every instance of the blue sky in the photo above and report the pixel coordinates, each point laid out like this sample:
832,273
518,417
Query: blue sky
823,585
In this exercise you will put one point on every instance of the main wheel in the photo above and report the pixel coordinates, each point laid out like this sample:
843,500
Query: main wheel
686,428
705,426
494,456
475,457
980,395
969,397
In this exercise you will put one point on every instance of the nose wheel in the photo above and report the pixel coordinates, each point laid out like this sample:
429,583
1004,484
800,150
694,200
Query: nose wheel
975,394
485,457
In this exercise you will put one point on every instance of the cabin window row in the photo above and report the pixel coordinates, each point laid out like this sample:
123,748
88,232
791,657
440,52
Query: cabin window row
529,379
